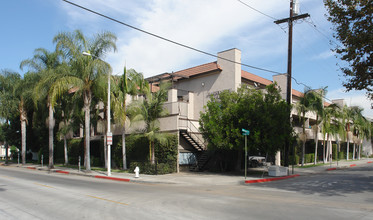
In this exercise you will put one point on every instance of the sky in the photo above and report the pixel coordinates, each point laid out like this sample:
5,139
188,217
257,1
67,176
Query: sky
208,25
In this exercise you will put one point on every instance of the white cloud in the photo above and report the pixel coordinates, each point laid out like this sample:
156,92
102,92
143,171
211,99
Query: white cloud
353,98
200,24
324,55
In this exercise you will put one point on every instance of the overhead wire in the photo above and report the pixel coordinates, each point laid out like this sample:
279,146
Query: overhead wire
183,45
166,39
247,5
310,22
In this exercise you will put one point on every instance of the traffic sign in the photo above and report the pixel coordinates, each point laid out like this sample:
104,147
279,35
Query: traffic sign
109,139
245,132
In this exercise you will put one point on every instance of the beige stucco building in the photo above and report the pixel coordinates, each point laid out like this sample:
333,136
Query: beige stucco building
191,89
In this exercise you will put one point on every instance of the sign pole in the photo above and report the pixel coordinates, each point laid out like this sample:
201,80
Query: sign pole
245,133
245,156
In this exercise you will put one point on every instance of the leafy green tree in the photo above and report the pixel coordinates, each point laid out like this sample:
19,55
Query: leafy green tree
85,72
263,114
352,22
148,111
50,66
130,83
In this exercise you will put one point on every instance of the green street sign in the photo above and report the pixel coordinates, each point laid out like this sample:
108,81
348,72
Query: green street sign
245,132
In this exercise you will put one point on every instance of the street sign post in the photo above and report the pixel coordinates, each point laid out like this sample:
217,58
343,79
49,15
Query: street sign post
245,133
109,138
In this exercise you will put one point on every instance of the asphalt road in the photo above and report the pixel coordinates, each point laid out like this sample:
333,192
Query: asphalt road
30,194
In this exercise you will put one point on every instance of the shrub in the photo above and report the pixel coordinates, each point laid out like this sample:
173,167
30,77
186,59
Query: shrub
76,150
335,152
291,158
309,158
341,155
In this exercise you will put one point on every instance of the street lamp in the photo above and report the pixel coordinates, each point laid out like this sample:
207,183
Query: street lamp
109,135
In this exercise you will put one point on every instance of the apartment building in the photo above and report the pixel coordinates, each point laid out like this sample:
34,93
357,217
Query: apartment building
191,89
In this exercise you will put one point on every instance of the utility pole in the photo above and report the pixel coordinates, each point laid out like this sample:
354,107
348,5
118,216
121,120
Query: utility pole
293,16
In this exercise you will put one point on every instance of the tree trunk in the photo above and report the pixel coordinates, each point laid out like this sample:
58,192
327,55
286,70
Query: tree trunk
105,149
330,151
348,147
124,149
316,139
50,128
6,151
65,149
323,149
23,136
327,149
353,151
304,138
153,152
303,151
87,115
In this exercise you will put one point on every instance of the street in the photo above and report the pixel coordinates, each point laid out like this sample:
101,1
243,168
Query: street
340,194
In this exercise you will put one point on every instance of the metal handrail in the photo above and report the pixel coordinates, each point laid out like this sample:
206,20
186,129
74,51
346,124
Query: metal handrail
190,125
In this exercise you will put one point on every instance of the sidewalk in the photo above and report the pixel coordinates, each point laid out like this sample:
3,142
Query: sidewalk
202,178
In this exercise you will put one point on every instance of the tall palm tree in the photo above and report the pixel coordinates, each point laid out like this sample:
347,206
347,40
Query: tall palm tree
309,102
328,121
85,71
131,83
8,107
317,106
148,111
361,128
24,95
347,114
50,66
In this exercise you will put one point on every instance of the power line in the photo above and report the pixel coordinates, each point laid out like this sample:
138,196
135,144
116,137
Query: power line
168,40
179,44
257,10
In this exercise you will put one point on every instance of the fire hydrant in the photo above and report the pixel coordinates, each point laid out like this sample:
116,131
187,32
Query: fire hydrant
137,171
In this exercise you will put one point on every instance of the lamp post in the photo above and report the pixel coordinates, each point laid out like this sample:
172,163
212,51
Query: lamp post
109,135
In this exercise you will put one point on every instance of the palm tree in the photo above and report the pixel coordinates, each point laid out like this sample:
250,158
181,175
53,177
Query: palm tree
70,110
131,83
8,107
50,66
148,111
328,121
361,128
24,92
318,107
85,71
347,114
309,102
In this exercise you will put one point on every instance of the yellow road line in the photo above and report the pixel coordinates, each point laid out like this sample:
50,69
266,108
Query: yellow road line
44,185
7,177
108,200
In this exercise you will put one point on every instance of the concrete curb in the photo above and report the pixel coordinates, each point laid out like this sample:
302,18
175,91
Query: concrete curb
113,178
271,179
62,171
343,167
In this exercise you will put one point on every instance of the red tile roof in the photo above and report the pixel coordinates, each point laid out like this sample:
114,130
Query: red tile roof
255,78
194,71
213,66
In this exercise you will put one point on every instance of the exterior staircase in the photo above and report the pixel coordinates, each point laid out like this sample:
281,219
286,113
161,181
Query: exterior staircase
193,140
202,159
